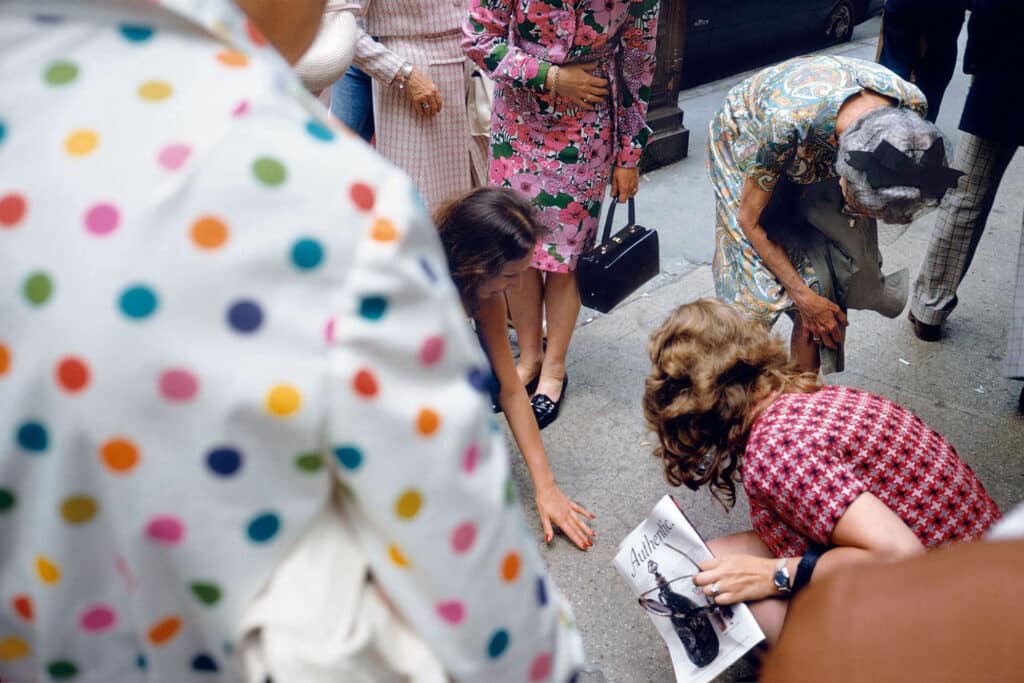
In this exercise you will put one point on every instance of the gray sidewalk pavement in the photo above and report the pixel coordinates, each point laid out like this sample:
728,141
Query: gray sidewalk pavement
601,453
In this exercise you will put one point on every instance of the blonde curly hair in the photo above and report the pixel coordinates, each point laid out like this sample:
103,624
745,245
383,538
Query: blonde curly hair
711,367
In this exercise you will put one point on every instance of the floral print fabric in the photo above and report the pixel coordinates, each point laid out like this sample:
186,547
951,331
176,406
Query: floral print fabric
543,146
217,311
781,120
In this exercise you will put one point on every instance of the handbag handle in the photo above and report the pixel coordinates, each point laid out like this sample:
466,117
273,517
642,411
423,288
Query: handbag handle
611,217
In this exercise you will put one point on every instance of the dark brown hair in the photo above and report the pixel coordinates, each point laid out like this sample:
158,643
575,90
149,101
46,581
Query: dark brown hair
710,367
482,232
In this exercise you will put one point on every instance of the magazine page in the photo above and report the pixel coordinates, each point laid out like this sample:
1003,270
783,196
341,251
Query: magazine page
658,560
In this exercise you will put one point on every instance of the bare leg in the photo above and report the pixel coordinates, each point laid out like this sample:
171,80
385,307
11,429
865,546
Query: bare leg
562,307
802,348
526,306
770,612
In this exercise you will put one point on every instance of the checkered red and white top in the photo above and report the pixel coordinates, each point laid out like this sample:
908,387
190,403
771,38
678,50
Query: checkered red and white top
810,455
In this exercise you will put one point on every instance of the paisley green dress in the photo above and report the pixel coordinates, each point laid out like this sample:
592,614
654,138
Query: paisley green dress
781,121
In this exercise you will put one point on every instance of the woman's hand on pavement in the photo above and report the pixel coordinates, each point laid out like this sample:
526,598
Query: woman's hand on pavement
823,319
423,93
738,578
556,509
577,84
625,183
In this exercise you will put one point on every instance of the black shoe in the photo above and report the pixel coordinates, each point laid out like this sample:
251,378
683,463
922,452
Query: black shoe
531,386
1020,402
924,331
546,410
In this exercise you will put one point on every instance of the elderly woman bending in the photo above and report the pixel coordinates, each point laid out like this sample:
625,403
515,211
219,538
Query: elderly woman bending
805,121
830,472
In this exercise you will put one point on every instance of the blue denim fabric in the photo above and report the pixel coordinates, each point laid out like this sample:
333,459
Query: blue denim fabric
352,102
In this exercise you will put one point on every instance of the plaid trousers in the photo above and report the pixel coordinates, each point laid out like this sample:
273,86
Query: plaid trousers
1015,342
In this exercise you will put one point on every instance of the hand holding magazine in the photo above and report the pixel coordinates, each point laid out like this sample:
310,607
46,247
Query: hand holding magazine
658,560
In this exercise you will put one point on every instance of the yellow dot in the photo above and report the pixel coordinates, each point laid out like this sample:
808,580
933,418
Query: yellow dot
397,557
155,91
232,58
12,648
283,400
409,503
78,509
209,232
48,572
81,142
384,231
427,422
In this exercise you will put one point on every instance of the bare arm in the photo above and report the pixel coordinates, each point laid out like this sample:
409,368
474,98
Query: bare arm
822,318
552,504
867,532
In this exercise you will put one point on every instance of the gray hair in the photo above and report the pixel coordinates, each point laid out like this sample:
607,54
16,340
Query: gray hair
908,132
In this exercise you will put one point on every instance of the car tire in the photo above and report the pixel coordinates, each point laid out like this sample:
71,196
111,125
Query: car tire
840,22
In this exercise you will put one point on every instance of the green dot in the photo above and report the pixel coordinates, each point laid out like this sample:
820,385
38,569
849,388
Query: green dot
38,288
7,500
309,462
206,593
61,73
62,670
269,171
510,491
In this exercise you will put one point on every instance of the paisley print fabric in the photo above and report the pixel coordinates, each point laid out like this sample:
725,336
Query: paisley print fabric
781,120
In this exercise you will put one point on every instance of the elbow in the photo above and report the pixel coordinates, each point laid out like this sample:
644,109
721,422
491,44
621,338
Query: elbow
906,549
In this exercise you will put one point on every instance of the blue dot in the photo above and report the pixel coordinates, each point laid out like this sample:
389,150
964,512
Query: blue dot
138,302
245,316
32,436
428,269
3,130
48,18
224,461
136,34
319,130
498,644
542,592
140,662
204,662
483,380
373,307
307,253
263,527
349,457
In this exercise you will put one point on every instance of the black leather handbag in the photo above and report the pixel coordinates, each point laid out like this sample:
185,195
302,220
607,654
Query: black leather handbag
614,268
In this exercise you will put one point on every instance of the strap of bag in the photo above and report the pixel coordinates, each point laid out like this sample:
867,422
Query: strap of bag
611,217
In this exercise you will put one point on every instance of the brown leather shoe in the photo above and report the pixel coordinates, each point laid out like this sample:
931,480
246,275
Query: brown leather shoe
923,331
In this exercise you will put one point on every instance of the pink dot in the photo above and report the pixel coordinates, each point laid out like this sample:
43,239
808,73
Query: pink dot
178,385
329,331
470,459
463,537
97,618
432,351
168,530
173,156
453,612
102,219
241,109
541,667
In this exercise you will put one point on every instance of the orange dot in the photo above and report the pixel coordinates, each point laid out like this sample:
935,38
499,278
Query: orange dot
5,359
362,196
13,647
72,374
384,231
397,557
365,384
209,232
427,422
47,571
120,455
510,567
164,630
232,58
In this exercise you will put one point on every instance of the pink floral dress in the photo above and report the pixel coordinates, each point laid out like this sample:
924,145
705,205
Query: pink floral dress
544,146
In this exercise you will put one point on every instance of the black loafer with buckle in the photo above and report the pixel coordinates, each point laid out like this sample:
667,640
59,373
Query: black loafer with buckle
546,410
924,331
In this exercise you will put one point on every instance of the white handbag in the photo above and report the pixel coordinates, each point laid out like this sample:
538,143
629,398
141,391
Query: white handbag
479,96
331,53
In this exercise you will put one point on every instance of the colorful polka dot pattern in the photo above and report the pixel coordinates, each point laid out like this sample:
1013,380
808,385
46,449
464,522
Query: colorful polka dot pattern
237,258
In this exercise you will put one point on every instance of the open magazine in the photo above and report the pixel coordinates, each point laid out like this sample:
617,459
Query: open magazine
658,560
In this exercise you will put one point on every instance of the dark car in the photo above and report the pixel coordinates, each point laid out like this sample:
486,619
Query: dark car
721,32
